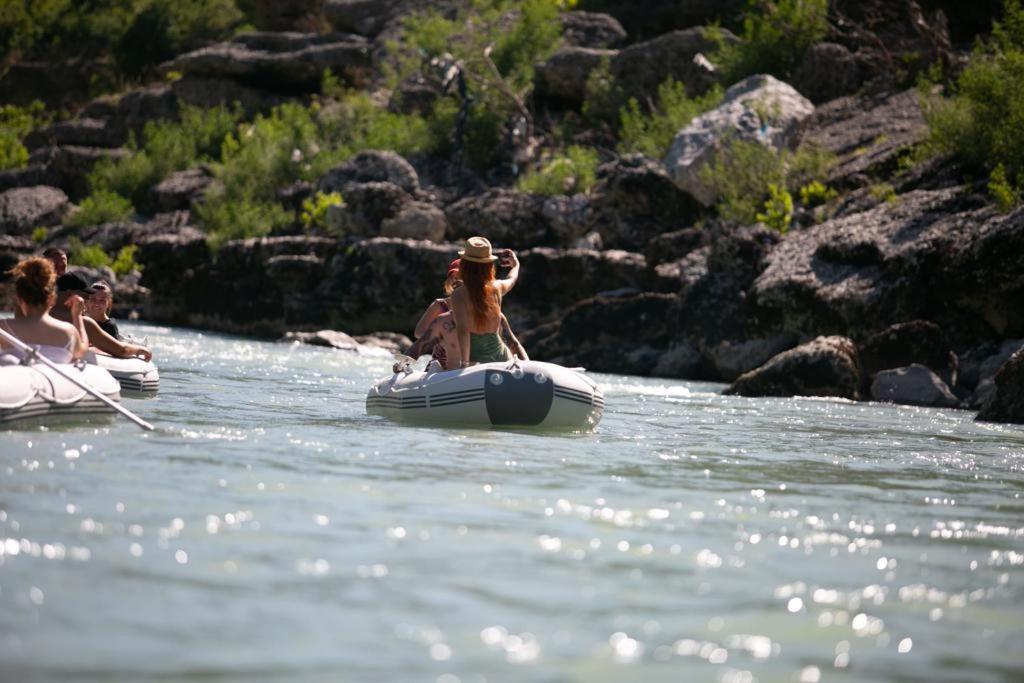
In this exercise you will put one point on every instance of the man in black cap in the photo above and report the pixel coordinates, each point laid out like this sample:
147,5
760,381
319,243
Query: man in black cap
71,284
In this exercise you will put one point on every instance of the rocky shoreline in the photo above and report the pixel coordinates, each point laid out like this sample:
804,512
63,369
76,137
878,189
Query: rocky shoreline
906,287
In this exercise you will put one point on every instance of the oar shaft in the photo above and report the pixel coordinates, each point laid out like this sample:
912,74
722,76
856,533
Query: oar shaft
25,348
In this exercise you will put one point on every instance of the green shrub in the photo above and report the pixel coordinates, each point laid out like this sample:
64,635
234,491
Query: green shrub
227,219
1001,191
775,36
314,209
100,207
167,146
778,209
15,123
816,193
652,133
40,234
91,256
742,175
125,263
983,122
602,95
570,174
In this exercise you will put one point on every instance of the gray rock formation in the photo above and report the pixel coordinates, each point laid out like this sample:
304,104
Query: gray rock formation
507,218
1007,401
827,71
563,76
759,109
591,29
365,17
366,207
180,189
24,208
416,221
371,166
825,366
913,385
682,55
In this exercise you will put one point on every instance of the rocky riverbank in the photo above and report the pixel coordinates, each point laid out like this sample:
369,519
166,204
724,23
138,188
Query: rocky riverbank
904,284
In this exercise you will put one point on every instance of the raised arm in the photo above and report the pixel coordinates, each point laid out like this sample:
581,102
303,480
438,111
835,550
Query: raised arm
511,261
80,344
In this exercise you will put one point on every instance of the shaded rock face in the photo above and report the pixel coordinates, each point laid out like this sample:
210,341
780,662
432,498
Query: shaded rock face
639,69
372,166
288,62
918,342
367,206
827,71
273,15
622,334
1007,401
644,20
591,29
67,167
207,92
737,117
982,368
12,250
938,255
365,17
825,366
508,218
84,132
130,111
731,359
673,246
416,221
177,191
25,208
634,201
867,135
913,385
563,76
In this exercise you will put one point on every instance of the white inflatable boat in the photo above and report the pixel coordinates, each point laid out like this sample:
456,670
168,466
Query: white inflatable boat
516,394
134,374
37,393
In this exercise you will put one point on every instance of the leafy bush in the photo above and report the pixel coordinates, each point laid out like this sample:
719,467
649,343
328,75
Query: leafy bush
775,36
167,146
40,234
1002,192
743,173
226,219
15,123
983,122
100,207
91,256
652,133
778,209
314,209
575,172
816,193
124,263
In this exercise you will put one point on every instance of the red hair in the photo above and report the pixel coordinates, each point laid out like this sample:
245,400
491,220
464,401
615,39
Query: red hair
477,279
34,280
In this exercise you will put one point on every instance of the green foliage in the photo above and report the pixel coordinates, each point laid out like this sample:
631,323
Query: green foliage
225,219
775,36
101,207
570,174
1002,192
167,146
884,192
778,209
652,133
602,95
91,256
983,122
40,234
742,174
15,123
124,263
314,209
816,193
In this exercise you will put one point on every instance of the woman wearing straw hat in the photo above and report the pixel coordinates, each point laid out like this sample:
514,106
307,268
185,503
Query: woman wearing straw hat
476,305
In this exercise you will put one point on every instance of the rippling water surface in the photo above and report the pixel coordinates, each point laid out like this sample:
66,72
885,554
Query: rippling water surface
272,531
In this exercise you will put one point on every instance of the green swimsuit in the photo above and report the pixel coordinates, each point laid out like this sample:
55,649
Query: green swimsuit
487,348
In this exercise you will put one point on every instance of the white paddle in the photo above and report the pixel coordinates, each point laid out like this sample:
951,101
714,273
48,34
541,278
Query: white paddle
32,355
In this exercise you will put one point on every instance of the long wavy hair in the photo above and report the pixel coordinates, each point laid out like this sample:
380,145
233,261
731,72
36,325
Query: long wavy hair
34,281
477,278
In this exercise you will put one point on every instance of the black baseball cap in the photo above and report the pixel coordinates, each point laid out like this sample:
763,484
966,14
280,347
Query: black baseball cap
69,282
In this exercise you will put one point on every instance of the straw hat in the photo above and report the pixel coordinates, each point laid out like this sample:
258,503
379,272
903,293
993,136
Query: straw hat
478,250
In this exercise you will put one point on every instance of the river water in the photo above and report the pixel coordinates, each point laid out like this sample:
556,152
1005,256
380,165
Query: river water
271,530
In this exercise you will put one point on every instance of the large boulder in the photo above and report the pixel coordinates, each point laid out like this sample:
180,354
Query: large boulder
416,221
130,111
681,55
945,256
207,92
675,245
508,218
983,382
827,71
180,189
365,17
288,62
825,366
1007,401
366,207
563,76
610,334
591,29
634,201
371,166
759,109
68,167
731,359
83,132
24,208
918,342
913,385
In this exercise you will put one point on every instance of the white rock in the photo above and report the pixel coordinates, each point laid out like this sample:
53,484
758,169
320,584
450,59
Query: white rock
913,385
